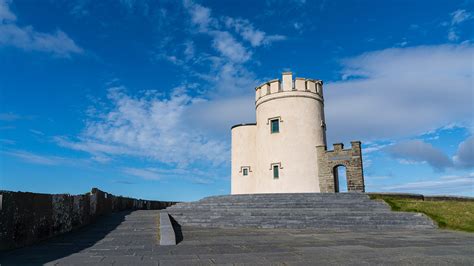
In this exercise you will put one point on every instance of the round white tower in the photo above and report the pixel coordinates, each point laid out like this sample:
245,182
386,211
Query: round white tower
279,152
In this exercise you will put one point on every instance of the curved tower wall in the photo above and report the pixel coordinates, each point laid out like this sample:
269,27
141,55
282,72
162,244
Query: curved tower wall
243,156
299,107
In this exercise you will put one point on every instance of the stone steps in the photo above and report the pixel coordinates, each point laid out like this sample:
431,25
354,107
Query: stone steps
326,223
341,211
301,215
350,227
284,206
315,219
279,211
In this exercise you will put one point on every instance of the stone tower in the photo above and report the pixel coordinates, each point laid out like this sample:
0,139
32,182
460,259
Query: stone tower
278,153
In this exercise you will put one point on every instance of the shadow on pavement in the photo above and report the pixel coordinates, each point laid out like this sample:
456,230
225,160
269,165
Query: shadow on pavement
64,245
177,230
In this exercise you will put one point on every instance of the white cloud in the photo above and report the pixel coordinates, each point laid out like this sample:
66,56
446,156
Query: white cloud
298,26
7,141
28,39
249,33
452,35
200,15
227,46
189,50
464,157
400,92
419,151
148,173
459,16
148,127
9,117
5,13
35,158
453,184
36,132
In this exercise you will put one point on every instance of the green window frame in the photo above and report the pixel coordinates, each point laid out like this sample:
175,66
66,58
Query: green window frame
276,173
245,171
275,126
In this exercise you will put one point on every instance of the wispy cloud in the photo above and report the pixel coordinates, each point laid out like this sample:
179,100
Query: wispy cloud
125,182
6,14
249,33
453,35
7,141
460,16
223,31
9,117
228,47
149,173
28,39
36,132
457,17
200,15
224,41
36,158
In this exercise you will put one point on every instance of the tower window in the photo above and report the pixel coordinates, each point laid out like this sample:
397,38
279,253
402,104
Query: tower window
276,174
245,171
275,125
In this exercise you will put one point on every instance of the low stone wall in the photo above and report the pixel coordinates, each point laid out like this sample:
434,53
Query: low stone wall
420,196
26,218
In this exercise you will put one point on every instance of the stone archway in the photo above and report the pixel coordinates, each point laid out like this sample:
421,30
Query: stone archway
351,159
340,182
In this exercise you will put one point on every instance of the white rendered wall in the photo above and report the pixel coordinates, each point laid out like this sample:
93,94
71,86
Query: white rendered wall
243,155
294,146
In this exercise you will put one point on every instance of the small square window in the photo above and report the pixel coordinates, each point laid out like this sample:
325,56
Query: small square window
245,171
275,125
276,174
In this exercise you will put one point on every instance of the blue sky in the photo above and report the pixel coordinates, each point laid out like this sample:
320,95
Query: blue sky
137,97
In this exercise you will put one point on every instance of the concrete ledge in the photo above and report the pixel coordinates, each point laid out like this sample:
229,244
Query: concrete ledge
167,234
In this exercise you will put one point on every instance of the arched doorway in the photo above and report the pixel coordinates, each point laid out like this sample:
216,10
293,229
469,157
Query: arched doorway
340,178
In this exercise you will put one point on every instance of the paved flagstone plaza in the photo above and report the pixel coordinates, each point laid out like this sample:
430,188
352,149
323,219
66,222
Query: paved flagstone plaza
131,238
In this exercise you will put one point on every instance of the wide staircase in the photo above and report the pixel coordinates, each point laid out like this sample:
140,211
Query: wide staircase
327,211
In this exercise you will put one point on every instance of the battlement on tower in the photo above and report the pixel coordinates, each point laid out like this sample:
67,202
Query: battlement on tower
287,84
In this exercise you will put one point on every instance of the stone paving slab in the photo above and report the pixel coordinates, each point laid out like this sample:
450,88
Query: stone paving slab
131,239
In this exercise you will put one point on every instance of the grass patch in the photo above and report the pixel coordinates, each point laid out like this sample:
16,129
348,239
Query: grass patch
450,214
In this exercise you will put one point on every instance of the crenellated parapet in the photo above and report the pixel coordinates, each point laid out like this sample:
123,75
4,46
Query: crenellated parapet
288,86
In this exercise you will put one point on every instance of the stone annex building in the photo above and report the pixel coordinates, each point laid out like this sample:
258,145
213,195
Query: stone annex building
285,151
